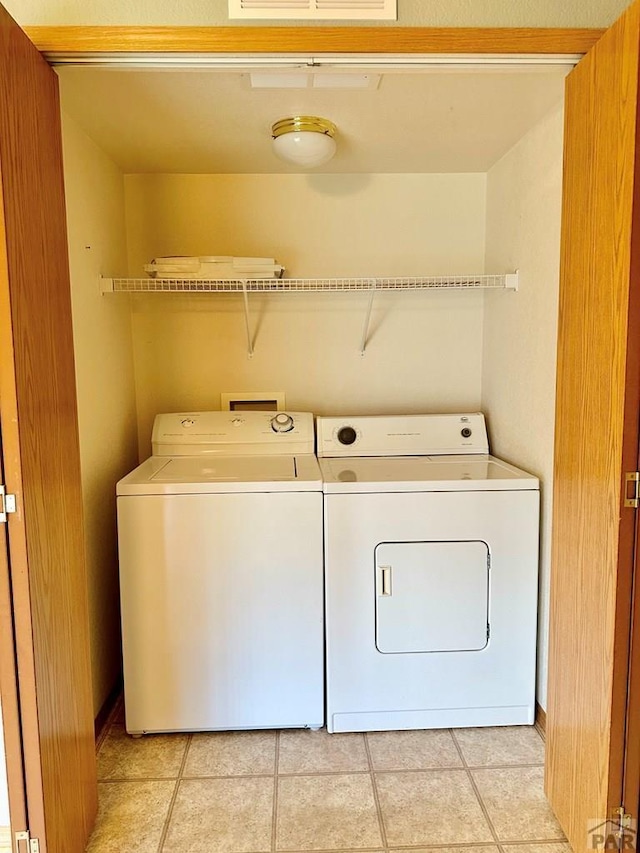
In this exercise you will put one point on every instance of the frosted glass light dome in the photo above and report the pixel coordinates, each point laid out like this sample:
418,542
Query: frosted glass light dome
305,141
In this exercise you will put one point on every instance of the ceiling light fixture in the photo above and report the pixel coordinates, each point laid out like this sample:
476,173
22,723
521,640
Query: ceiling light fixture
306,141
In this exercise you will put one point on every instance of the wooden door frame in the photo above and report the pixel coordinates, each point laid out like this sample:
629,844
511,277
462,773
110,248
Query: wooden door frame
76,41
11,727
631,769
627,655
17,666
11,733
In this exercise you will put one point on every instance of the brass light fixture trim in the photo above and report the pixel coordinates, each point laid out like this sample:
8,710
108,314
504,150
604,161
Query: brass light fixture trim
306,124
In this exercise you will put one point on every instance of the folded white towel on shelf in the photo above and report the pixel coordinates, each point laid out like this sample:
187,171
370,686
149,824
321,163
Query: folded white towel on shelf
219,267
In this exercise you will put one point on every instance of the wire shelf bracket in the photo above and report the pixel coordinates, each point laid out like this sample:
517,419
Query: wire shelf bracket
367,318
247,322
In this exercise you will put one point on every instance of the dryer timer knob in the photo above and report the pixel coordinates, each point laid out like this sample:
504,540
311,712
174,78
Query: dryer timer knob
347,435
282,422
466,432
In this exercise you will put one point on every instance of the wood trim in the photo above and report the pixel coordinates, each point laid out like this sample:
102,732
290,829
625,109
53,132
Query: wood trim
9,688
20,715
279,40
631,781
625,734
541,720
11,728
106,715
630,697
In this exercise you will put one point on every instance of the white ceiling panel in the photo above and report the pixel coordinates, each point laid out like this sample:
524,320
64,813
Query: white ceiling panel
205,121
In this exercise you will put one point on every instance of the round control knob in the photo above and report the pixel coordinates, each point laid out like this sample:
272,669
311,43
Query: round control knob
282,422
347,435
466,432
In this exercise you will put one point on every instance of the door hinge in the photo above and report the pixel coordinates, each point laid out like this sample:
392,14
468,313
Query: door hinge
25,843
623,823
632,500
7,504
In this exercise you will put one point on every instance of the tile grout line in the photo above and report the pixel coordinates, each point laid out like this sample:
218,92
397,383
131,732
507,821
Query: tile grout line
274,813
117,780
376,795
475,789
460,848
165,828
314,773
457,767
528,842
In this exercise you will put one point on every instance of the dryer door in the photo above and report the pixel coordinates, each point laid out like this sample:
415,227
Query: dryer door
432,596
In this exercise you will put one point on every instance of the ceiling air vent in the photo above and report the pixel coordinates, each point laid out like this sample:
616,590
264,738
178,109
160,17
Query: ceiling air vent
318,10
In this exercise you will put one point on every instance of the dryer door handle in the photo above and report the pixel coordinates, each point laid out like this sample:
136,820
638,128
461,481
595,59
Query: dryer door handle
385,580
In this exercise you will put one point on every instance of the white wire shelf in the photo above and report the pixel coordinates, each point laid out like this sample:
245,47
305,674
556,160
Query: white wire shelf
308,285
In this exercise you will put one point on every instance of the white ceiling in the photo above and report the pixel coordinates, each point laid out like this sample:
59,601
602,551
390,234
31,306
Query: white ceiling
208,121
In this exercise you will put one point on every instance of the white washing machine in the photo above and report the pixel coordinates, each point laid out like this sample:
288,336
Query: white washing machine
431,566
221,575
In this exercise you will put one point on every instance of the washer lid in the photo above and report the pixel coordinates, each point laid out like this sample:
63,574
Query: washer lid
478,473
162,475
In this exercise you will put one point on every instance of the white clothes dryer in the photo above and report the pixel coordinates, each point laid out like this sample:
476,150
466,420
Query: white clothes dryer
431,565
221,575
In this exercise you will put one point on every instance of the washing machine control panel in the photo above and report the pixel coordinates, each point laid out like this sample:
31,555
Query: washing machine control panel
241,433
403,435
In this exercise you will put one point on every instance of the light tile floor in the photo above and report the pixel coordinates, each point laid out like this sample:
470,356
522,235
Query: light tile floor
444,791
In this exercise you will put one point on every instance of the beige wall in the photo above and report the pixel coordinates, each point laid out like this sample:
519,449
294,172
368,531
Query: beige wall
519,362
316,225
425,349
104,373
424,13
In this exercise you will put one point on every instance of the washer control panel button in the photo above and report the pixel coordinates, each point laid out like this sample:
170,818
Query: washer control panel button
465,432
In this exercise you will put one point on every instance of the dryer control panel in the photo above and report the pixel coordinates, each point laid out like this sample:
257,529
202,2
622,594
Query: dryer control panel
403,435
239,433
